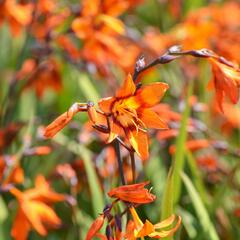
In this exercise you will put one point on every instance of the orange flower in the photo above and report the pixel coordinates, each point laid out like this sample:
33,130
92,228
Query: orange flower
226,80
206,28
134,193
44,75
99,29
137,229
95,17
48,20
95,227
18,15
34,210
130,113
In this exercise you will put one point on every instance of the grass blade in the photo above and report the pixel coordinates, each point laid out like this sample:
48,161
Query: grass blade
204,219
197,178
179,156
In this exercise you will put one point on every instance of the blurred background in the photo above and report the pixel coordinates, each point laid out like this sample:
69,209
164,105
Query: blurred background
56,53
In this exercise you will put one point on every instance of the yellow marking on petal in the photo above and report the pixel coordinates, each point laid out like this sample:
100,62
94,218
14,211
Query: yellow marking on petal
136,219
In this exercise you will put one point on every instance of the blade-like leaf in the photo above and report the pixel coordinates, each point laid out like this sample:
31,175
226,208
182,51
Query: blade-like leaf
179,156
203,217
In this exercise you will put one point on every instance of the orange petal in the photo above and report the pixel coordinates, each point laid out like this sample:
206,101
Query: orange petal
82,27
166,134
117,8
166,233
31,211
130,230
127,89
147,229
20,12
151,119
95,227
226,81
115,130
17,175
112,22
139,141
134,193
90,8
44,191
58,124
166,222
18,194
105,104
39,213
137,221
21,226
150,95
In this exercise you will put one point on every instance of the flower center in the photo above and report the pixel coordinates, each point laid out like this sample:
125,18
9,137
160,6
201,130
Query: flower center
126,116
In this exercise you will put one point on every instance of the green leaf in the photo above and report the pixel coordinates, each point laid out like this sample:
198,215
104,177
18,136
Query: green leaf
3,217
173,186
4,211
197,178
203,217
167,203
188,221
179,156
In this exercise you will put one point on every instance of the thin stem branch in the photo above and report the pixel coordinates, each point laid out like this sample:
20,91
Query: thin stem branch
172,54
119,160
124,144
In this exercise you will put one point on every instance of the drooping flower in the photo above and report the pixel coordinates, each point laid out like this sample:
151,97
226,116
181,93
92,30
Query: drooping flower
134,193
138,229
226,81
34,211
130,113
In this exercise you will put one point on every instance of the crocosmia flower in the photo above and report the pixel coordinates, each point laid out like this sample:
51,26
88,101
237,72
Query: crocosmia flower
130,113
137,229
226,81
134,193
